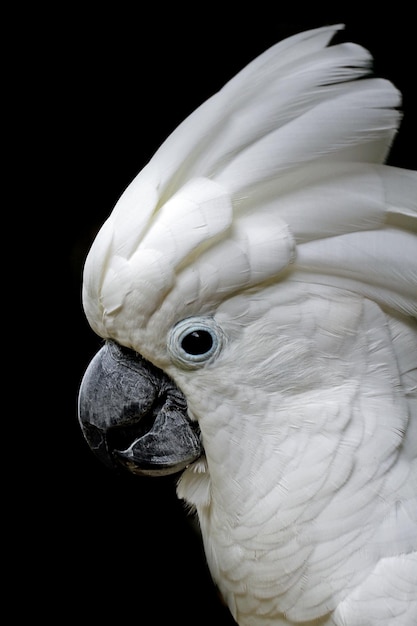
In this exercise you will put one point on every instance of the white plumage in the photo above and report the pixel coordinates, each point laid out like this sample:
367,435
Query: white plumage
269,219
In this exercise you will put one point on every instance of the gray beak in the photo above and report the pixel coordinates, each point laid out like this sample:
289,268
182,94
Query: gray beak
133,415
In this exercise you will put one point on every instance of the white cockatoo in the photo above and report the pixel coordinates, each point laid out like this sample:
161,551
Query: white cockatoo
256,288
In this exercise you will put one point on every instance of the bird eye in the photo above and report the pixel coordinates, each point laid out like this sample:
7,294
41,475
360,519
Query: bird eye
194,341
197,342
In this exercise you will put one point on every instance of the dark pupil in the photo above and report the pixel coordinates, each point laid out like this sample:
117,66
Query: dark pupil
197,342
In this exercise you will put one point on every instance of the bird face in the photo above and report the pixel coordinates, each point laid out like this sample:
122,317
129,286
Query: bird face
231,373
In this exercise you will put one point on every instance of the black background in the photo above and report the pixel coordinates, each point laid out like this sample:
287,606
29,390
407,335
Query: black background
102,90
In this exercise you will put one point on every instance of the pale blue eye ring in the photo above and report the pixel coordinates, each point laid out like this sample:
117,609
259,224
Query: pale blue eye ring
195,341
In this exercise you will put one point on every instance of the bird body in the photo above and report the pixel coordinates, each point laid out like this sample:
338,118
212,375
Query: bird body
265,262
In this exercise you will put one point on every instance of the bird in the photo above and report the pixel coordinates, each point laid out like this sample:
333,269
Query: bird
255,290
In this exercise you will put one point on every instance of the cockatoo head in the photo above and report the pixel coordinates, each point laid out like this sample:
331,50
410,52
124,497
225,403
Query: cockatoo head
241,280
257,193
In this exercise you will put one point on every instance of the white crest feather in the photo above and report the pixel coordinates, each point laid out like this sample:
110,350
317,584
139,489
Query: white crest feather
286,140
